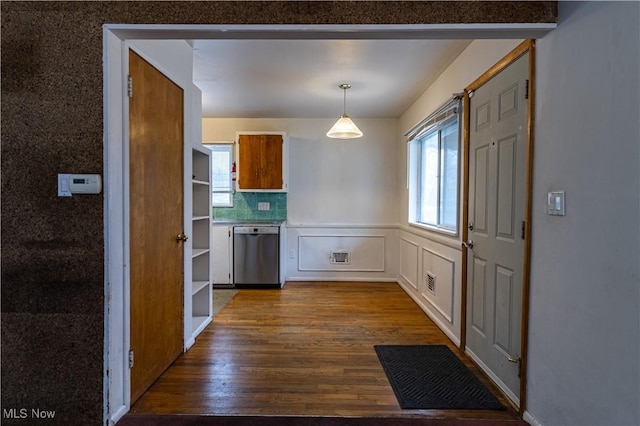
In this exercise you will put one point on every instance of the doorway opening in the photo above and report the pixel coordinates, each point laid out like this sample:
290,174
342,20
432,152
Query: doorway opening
117,378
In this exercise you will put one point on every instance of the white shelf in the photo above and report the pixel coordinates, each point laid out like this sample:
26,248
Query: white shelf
199,323
195,252
197,286
199,314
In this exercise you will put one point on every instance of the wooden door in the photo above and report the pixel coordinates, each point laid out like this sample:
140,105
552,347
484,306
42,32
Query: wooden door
496,214
271,161
156,218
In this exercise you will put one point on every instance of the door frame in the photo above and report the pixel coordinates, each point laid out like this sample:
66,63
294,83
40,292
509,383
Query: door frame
117,377
116,37
527,46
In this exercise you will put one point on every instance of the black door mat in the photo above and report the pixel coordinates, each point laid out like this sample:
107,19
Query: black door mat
432,377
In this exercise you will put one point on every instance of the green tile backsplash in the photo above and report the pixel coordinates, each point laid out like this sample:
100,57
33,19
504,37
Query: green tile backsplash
245,207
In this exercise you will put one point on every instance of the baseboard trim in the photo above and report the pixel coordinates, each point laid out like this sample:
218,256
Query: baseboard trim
527,417
359,279
118,414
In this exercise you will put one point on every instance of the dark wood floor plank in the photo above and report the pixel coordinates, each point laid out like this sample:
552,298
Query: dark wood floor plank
304,350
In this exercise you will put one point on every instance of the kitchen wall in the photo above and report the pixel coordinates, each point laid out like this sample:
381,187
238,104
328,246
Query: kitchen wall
337,189
421,250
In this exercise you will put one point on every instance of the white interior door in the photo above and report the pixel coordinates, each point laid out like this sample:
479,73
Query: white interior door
497,208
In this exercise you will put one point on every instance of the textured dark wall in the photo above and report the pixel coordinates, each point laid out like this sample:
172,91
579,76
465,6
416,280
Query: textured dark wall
53,248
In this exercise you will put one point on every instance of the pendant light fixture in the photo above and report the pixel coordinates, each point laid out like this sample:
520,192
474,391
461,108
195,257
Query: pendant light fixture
344,127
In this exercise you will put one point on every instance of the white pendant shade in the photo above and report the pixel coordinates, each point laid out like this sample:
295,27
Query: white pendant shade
344,129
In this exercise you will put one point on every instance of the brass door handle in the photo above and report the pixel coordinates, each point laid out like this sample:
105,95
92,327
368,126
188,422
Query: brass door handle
181,238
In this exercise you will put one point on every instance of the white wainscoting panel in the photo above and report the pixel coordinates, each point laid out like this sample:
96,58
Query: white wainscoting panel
366,252
440,256
373,252
409,266
441,270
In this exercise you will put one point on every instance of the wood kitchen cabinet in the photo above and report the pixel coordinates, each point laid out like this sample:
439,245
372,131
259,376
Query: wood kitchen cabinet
261,162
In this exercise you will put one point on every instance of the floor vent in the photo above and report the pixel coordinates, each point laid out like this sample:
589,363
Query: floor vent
340,257
431,283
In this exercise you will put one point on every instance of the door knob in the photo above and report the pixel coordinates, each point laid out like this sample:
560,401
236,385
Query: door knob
468,244
514,360
181,238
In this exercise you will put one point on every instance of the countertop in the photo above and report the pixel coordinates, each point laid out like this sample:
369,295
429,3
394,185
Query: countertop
245,222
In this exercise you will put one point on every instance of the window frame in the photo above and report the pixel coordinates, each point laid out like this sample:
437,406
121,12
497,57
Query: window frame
226,147
434,123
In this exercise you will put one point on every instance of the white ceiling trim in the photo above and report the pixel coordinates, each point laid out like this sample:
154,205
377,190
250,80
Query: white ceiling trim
390,31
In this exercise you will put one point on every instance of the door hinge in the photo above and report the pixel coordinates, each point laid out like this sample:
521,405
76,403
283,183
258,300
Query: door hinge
130,86
131,358
523,229
526,89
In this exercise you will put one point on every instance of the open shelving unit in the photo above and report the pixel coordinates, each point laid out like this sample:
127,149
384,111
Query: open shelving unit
201,298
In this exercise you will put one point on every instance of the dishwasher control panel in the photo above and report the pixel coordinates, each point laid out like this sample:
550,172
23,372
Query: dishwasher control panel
256,229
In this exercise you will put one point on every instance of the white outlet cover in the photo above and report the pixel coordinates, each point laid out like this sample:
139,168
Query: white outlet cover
264,206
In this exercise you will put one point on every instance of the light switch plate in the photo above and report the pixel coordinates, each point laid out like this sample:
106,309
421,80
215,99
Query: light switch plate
555,203
64,185
264,206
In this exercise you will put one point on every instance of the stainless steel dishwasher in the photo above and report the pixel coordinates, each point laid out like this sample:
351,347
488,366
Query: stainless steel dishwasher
256,256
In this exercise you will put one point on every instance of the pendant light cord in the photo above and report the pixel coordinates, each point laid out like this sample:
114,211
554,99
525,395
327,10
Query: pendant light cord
344,103
344,87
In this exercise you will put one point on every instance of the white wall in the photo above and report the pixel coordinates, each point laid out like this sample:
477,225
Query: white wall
422,251
337,188
584,322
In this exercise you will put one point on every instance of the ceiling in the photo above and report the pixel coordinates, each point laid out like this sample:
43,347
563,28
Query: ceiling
300,78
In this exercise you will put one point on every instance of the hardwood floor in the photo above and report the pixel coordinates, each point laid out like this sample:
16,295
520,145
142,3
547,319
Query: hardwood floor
304,350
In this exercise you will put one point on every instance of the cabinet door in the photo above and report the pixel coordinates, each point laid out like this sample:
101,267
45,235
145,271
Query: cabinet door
271,161
260,162
249,161
221,252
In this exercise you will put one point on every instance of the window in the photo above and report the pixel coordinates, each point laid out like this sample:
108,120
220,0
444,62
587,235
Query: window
221,184
434,168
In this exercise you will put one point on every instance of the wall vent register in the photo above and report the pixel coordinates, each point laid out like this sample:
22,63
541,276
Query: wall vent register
340,257
431,283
